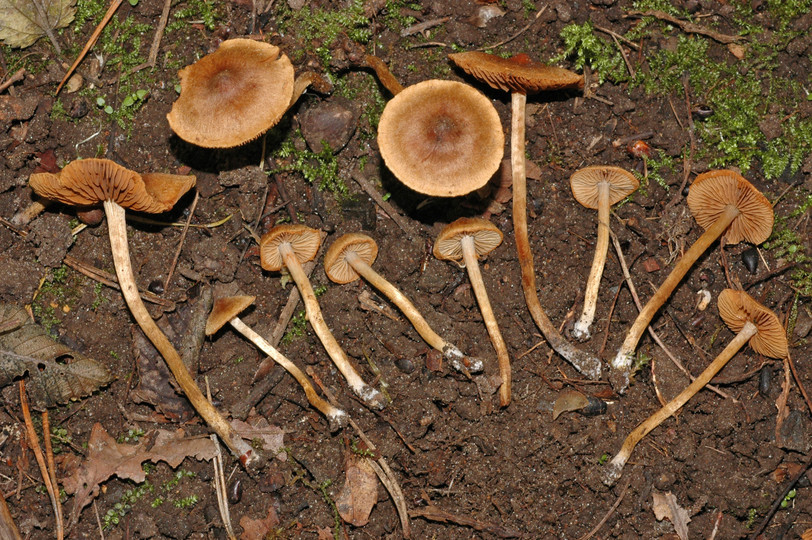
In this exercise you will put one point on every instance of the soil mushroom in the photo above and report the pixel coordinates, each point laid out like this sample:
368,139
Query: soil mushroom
227,310
441,138
88,182
351,255
520,76
725,205
598,188
754,323
288,246
233,95
467,239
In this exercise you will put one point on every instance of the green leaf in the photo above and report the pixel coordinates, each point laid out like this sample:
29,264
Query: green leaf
22,22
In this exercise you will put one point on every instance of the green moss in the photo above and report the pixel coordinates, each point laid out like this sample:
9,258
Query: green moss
394,19
585,47
207,12
320,168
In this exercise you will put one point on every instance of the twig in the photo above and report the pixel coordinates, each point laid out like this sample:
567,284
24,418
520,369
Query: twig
623,54
798,382
90,42
98,520
686,26
433,513
182,240
611,511
156,41
423,27
49,31
8,529
517,34
778,500
615,35
49,459
17,76
33,442
111,281
26,215
385,206
220,488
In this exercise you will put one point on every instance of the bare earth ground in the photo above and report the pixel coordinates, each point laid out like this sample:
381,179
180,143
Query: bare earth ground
513,471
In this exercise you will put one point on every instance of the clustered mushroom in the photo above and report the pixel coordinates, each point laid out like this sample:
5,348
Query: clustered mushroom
351,255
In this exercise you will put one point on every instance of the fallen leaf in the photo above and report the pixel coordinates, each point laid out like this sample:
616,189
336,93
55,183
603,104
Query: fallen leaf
665,506
360,491
25,21
259,528
570,400
325,533
106,457
56,374
258,429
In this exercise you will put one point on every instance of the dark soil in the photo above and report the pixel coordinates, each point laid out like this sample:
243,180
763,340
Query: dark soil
444,435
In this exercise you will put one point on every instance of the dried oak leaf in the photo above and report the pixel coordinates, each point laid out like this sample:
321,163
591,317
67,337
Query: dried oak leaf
665,506
56,374
106,457
22,22
259,528
360,492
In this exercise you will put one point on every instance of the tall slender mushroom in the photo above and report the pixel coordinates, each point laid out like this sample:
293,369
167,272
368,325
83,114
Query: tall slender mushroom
754,323
467,239
598,188
520,76
351,255
87,182
289,246
227,310
441,138
725,205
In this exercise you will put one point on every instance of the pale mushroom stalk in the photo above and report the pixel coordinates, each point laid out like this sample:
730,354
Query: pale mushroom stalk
584,362
625,355
458,359
369,395
335,416
475,276
581,328
117,227
615,467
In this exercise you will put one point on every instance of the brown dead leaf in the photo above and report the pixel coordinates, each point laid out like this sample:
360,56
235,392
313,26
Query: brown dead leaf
325,533
259,429
106,457
56,374
569,400
665,506
259,528
25,21
360,491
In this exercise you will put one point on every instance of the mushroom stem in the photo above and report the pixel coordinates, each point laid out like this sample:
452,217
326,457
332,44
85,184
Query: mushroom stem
369,395
460,361
385,76
615,467
117,228
336,417
584,362
472,265
581,328
625,355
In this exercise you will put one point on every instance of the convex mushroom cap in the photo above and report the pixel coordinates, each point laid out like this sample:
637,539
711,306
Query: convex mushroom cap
737,308
517,74
585,184
485,234
225,309
712,191
441,138
233,95
304,241
88,182
336,266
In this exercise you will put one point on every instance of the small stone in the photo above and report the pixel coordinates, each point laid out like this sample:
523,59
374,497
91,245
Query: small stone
79,108
651,265
332,122
750,259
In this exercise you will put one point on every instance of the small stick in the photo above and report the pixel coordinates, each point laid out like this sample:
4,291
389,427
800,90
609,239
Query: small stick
27,214
778,500
432,513
110,280
182,240
385,206
611,511
17,76
220,488
156,41
421,28
615,35
517,34
49,457
686,26
8,529
623,54
98,520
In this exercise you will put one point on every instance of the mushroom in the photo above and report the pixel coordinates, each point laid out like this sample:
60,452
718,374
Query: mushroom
233,95
441,138
467,239
754,323
725,205
288,246
226,310
598,188
521,76
87,182
351,256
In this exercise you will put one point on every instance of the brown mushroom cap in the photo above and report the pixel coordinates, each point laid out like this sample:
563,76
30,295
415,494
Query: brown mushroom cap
224,310
584,183
233,95
304,241
441,138
712,191
738,307
335,264
448,244
87,182
517,74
